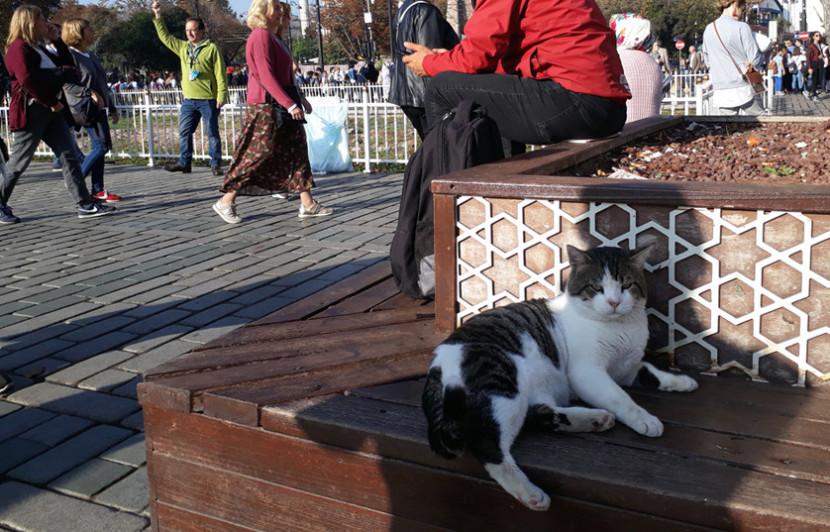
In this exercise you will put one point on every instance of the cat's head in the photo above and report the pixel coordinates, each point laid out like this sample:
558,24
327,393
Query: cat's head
608,281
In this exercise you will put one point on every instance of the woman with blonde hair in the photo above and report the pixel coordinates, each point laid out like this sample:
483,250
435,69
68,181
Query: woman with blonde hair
35,113
271,153
79,36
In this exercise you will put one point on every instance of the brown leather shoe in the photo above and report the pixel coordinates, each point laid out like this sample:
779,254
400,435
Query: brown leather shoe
176,167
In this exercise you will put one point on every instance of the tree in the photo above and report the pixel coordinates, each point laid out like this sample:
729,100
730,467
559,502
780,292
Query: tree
343,22
102,18
134,43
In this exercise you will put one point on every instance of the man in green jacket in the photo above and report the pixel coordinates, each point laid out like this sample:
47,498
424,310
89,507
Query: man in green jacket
204,87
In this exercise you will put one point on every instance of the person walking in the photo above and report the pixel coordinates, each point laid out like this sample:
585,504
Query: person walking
696,64
271,151
203,85
79,36
815,64
35,113
729,48
421,22
544,71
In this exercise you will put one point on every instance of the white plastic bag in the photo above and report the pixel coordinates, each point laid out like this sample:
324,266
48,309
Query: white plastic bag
328,141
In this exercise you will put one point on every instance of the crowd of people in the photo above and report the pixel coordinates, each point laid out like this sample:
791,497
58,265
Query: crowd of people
801,67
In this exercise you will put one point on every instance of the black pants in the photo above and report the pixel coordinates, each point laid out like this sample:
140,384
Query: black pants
526,110
418,117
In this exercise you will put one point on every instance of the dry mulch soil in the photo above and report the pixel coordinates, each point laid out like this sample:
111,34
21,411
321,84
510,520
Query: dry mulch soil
766,152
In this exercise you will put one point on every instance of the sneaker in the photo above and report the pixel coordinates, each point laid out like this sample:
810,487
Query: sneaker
94,209
57,167
6,216
105,196
227,212
315,210
176,167
6,383
281,195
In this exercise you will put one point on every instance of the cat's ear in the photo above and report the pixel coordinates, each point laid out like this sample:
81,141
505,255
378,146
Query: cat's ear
577,257
640,255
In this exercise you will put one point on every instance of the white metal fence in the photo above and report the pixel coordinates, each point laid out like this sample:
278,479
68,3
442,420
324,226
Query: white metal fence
378,131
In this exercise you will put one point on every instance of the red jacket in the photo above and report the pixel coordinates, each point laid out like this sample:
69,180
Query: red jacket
567,41
23,63
269,66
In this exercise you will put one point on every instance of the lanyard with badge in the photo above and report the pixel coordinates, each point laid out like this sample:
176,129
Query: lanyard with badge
192,53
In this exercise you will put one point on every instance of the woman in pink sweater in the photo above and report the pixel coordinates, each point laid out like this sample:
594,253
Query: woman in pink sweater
271,153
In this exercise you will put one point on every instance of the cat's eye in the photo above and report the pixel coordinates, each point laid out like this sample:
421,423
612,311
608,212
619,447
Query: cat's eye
627,286
596,288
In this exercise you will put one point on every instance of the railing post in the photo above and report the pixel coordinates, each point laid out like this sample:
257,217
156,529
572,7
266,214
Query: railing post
698,98
150,140
366,161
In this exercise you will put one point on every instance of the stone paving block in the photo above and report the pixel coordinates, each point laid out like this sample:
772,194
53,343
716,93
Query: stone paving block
94,346
17,451
159,305
90,477
12,307
207,300
156,338
7,408
156,356
107,380
264,308
98,328
43,327
129,389
56,430
213,279
83,403
34,311
215,330
103,312
54,293
40,368
89,367
166,269
210,315
157,321
131,452
29,355
152,297
8,320
127,290
39,510
134,422
19,421
68,455
131,493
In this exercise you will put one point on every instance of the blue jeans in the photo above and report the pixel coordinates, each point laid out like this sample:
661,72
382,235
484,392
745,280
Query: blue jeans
188,122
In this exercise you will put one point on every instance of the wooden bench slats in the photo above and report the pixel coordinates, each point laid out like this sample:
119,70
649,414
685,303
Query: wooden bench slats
369,298
285,340
685,472
242,405
171,517
278,508
283,465
308,306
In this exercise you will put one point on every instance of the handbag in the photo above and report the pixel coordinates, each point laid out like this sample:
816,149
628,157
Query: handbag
752,76
281,114
84,112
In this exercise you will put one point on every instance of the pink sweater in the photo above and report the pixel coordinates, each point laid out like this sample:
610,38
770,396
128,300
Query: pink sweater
270,64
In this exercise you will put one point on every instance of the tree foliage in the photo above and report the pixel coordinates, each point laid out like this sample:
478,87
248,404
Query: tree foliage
133,43
7,8
343,23
670,19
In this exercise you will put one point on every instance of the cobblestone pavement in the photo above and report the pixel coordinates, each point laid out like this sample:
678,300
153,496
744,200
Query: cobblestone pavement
86,306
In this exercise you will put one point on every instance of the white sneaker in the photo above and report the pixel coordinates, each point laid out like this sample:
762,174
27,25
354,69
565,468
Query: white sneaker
227,212
315,210
281,195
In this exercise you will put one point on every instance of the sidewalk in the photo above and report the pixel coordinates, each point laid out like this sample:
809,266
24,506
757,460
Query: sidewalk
88,305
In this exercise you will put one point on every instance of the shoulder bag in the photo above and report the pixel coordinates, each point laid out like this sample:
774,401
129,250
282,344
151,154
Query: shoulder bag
752,76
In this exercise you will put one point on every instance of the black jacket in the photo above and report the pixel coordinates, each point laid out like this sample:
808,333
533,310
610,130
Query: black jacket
420,22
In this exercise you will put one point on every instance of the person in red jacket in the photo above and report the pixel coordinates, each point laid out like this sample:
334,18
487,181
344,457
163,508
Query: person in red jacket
544,70
815,62
35,113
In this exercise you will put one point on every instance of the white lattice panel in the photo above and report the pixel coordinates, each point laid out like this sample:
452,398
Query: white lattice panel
744,291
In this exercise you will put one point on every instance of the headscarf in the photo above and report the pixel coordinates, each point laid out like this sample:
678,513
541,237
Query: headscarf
633,31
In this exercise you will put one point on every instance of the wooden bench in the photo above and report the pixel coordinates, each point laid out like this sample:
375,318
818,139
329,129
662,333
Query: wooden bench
310,420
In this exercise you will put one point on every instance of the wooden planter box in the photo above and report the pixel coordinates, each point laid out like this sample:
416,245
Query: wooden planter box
740,283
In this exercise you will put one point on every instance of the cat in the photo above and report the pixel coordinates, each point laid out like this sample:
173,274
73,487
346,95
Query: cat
525,361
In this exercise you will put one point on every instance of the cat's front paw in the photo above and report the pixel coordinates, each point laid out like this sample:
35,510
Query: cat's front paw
647,425
538,501
679,383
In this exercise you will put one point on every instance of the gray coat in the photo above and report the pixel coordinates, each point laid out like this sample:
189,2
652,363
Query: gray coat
93,78
422,23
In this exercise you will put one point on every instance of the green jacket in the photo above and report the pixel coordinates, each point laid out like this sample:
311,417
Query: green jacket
211,83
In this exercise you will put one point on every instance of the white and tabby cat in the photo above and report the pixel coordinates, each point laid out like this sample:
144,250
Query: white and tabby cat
524,362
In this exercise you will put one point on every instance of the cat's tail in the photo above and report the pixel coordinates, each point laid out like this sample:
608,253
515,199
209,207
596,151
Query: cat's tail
445,409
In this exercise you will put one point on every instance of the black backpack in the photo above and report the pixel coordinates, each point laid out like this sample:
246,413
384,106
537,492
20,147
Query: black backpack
464,138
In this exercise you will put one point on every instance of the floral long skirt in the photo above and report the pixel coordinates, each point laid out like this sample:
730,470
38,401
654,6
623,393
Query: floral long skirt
268,158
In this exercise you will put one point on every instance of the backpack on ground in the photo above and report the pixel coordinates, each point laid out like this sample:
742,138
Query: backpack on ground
464,138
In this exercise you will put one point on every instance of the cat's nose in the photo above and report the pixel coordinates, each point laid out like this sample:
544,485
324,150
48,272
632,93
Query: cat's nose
614,304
